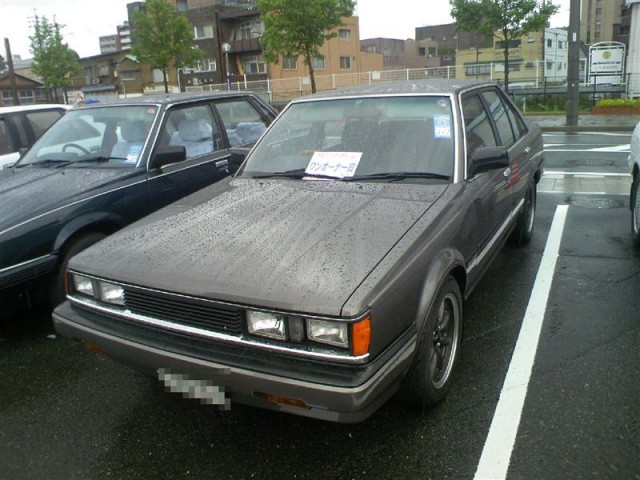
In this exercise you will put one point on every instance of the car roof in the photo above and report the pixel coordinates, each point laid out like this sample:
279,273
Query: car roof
170,98
434,86
30,108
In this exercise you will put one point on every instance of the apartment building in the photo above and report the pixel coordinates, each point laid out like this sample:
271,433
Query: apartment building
605,21
533,59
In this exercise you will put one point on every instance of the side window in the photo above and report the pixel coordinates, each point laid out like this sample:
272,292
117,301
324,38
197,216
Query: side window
500,117
195,128
16,121
242,121
477,125
6,143
42,120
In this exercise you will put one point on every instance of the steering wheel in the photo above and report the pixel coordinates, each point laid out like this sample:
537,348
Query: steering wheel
75,145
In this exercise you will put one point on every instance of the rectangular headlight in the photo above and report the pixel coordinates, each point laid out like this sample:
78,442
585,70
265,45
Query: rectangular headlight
83,285
111,293
331,333
270,325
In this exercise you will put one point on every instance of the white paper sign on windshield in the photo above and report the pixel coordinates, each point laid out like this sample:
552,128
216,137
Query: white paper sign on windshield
334,164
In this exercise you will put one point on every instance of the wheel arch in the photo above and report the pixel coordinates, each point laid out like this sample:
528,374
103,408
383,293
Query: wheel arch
449,263
105,223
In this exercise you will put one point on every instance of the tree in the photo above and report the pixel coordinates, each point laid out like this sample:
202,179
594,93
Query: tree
162,38
293,29
53,61
506,20
3,65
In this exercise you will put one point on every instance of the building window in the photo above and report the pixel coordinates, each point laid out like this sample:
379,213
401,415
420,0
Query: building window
158,77
289,63
249,29
549,65
422,51
128,75
512,44
203,31
344,34
371,49
549,42
478,69
318,63
345,63
206,65
531,40
252,65
181,5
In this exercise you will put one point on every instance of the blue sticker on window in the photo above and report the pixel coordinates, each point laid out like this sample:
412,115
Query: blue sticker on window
442,126
133,153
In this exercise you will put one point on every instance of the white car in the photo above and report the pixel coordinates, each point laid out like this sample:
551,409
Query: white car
22,125
634,200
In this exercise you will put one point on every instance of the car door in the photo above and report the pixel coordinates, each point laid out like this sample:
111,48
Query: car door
490,206
511,133
193,126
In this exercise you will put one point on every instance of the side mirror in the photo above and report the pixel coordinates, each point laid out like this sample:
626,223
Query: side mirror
168,154
484,159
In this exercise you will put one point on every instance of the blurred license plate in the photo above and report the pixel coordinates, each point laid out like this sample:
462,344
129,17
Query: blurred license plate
203,390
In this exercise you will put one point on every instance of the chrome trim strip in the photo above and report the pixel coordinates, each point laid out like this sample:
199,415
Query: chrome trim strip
209,335
478,258
23,264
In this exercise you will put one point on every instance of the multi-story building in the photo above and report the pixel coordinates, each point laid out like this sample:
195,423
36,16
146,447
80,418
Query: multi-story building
533,59
605,21
448,41
109,44
391,49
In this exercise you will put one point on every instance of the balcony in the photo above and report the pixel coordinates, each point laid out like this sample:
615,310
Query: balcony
245,45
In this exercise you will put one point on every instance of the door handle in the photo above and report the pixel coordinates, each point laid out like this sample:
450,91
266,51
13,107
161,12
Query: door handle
507,173
527,150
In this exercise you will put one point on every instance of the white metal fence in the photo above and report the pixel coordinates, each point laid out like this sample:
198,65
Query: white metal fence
524,75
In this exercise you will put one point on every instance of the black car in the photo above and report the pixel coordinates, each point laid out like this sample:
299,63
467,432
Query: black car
330,272
104,166
21,126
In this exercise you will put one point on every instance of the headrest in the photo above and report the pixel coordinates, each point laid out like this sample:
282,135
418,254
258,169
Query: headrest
134,131
194,130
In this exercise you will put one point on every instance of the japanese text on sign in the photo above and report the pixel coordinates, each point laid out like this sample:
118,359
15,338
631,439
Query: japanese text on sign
334,164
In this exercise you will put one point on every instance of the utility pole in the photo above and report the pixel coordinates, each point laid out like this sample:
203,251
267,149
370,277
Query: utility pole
573,72
12,75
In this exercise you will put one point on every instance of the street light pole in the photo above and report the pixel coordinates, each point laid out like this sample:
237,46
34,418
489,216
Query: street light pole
226,48
573,73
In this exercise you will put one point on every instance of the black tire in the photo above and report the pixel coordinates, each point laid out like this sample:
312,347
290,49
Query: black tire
57,294
635,210
428,380
523,230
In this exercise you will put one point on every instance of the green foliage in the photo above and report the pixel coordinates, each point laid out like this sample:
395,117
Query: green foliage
291,29
53,61
618,103
163,38
506,20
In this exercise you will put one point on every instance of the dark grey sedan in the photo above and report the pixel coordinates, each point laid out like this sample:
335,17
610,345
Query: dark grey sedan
329,273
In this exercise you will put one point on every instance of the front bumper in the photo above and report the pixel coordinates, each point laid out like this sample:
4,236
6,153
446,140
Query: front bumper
348,394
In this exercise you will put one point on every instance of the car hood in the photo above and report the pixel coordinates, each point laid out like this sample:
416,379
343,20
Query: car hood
31,191
300,246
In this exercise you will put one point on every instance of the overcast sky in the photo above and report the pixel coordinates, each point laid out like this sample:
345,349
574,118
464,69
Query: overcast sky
86,20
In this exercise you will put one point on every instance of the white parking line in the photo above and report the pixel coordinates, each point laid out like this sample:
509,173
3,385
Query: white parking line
496,454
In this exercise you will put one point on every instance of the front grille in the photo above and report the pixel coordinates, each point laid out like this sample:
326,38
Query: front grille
186,311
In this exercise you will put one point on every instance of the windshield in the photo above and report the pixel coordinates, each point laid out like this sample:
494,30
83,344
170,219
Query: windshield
109,136
377,138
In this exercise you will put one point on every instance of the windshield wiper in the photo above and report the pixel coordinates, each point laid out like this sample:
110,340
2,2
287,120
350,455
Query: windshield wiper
99,159
50,162
298,173
393,176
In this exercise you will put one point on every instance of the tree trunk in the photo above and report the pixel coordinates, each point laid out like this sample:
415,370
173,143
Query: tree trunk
312,73
506,64
166,80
